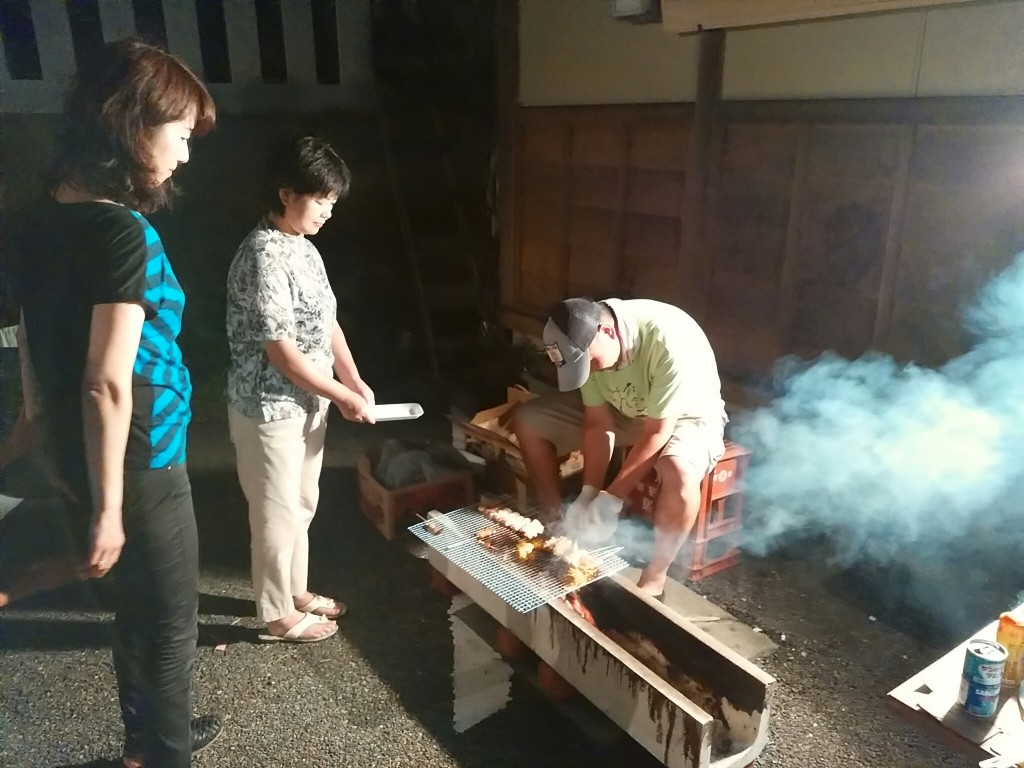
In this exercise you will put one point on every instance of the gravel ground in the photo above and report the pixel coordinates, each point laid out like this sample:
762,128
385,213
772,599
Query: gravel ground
380,693
834,666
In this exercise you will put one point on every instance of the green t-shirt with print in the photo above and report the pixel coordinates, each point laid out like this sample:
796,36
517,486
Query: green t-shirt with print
669,369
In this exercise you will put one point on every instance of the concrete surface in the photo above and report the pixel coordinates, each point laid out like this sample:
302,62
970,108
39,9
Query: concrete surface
380,693
745,640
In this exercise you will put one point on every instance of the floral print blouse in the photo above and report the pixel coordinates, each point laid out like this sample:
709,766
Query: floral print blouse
277,289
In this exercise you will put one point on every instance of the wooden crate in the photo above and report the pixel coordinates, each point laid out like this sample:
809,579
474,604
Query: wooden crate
487,435
392,510
503,479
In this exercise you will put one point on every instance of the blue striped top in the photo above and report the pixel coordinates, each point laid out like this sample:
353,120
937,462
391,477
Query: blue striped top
69,258
165,383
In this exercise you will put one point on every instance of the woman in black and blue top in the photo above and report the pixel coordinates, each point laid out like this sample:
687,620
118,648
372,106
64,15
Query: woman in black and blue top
102,311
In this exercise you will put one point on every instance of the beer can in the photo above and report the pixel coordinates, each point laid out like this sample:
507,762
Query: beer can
982,677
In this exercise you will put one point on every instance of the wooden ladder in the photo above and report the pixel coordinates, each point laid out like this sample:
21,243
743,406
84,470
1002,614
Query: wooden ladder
434,230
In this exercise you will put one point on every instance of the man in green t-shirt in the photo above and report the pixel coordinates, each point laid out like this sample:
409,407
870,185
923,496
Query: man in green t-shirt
647,378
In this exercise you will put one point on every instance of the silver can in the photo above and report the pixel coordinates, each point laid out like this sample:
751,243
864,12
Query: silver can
982,677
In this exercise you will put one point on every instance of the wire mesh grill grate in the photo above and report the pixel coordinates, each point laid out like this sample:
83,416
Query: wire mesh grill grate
523,585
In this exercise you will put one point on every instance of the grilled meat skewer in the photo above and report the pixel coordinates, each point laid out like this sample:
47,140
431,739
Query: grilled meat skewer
580,568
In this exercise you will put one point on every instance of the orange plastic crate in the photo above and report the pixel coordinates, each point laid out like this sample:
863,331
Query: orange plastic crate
712,544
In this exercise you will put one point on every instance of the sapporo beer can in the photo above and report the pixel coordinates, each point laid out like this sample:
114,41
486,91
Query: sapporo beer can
982,678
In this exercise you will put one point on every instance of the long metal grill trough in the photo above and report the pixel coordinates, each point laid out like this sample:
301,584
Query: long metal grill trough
523,584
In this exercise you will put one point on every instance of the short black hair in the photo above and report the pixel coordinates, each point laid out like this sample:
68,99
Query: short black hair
305,164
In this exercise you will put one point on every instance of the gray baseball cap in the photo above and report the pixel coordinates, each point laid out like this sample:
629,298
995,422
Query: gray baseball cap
571,327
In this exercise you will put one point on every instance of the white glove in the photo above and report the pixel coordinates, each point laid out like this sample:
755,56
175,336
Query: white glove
602,518
575,515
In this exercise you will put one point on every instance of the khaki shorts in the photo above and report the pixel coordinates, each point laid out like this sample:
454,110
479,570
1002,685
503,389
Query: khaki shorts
559,418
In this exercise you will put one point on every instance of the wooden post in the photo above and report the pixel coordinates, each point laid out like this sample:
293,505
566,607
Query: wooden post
565,210
623,278
893,241
553,684
508,146
695,258
787,280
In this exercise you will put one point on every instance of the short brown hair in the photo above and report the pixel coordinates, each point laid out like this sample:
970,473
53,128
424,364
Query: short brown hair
116,103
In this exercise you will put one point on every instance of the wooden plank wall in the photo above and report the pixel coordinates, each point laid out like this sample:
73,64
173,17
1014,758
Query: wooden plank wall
598,202
844,226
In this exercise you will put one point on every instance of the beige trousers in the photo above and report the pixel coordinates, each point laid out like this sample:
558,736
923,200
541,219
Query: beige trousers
279,466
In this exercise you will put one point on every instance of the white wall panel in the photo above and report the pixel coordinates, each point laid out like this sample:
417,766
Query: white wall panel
246,93
977,50
53,37
685,16
183,33
300,56
354,55
56,58
116,19
576,52
967,50
845,58
243,45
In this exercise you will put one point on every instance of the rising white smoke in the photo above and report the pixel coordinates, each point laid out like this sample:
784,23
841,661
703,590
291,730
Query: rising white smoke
887,459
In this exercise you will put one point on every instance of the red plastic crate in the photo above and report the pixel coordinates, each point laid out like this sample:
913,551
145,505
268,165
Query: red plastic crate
712,544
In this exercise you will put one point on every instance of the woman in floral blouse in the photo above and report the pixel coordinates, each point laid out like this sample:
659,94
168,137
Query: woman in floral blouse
286,350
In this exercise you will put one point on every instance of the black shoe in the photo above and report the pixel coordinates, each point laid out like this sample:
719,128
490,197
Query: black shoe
205,730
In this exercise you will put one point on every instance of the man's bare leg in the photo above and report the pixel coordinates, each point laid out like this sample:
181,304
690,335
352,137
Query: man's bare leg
541,466
42,576
674,515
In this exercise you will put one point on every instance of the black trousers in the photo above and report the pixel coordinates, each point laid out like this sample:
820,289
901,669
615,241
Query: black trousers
156,627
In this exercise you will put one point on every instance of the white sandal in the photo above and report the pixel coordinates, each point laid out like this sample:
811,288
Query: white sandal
321,603
294,635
